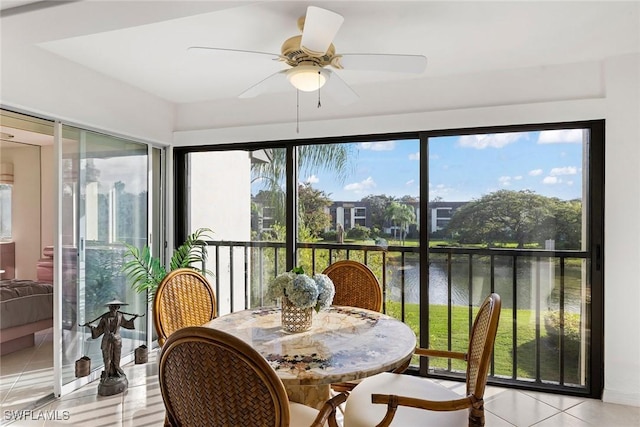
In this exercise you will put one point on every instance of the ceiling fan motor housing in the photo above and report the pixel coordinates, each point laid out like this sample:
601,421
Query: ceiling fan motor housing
296,54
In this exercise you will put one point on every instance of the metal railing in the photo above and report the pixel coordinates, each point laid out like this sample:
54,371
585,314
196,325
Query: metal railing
544,326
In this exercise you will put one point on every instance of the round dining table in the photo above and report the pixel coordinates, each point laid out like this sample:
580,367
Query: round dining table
343,344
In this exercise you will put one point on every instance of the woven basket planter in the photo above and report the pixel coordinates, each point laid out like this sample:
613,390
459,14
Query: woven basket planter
295,319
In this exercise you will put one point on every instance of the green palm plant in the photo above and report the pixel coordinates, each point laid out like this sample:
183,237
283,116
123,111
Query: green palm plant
146,271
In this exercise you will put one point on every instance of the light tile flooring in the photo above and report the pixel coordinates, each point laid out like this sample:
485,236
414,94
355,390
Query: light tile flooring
141,405
26,375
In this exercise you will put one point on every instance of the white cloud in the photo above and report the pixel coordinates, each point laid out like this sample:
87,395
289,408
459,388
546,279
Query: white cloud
536,172
573,136
440,190
312,180
377,145
505,180
411,181
567,170
517,178
551,180
414,156
493,140
359,187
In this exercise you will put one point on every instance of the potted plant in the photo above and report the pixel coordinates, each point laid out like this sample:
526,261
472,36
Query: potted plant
146,271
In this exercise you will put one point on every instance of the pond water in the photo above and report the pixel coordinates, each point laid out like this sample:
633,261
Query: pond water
525,290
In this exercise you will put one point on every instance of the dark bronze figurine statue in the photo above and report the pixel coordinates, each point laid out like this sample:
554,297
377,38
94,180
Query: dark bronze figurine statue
113,379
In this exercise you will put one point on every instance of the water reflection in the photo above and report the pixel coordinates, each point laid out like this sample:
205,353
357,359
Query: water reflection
528,273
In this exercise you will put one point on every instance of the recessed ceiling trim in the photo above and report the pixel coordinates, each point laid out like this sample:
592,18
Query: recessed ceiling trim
10,7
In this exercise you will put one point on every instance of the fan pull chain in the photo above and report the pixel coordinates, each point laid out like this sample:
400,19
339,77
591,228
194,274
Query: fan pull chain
319,104
297,111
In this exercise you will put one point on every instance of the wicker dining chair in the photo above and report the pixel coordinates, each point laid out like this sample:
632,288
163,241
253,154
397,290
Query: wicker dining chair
415,401
356,285
183,298
211,378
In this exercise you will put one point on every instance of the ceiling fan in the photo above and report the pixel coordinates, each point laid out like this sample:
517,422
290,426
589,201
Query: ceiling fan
309,54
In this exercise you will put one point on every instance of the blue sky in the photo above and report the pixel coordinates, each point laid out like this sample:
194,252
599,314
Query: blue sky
464,167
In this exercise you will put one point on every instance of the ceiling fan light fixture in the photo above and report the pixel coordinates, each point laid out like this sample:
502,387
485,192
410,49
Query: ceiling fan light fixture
307,78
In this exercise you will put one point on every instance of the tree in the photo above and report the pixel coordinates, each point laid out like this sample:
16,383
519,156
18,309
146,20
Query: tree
409,199
377,207
400,215
567,224
514,216
311,205
334,158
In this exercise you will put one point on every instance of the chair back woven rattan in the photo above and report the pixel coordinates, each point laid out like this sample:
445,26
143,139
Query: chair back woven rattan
183,298
211,378
356,285
483,336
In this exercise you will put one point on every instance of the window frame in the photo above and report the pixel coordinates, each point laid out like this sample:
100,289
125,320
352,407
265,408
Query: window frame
594,210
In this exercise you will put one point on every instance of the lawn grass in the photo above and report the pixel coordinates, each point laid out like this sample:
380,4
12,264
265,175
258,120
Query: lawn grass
503,353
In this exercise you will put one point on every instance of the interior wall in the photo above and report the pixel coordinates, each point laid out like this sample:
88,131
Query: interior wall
618,102
25,212
276,113
85,97
622,231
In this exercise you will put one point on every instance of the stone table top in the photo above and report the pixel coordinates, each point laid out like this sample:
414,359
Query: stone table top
343,344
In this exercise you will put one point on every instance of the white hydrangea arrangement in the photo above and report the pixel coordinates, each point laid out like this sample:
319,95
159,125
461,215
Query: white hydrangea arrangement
303,291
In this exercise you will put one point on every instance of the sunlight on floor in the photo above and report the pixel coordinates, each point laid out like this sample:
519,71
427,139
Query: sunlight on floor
141,404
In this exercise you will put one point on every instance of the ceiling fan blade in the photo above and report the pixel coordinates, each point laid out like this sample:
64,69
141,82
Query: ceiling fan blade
276,82
339,90
320,27
383,62
204,49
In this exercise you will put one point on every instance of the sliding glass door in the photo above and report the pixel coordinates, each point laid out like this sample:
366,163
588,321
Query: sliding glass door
518,213
104,204
443,218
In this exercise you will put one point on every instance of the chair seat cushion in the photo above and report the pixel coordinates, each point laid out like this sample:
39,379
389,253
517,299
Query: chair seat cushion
360,412
301,415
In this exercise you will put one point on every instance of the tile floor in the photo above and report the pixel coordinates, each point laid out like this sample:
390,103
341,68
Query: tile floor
141,405
26,375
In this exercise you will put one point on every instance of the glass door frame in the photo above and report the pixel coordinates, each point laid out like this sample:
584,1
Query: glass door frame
154,192
594,248
594,228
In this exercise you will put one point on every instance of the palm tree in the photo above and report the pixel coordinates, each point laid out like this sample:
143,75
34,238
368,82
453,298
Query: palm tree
312,159
400,214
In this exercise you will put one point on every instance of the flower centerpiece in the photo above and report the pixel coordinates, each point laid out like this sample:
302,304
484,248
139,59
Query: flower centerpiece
300,295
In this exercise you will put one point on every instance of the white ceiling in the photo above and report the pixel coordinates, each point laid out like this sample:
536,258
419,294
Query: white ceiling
148,49
474,48
8,4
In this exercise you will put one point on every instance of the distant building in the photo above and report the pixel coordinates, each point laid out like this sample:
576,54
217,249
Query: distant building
358,213
440,213
350,214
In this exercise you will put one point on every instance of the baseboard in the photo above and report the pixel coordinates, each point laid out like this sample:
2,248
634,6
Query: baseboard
620,398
